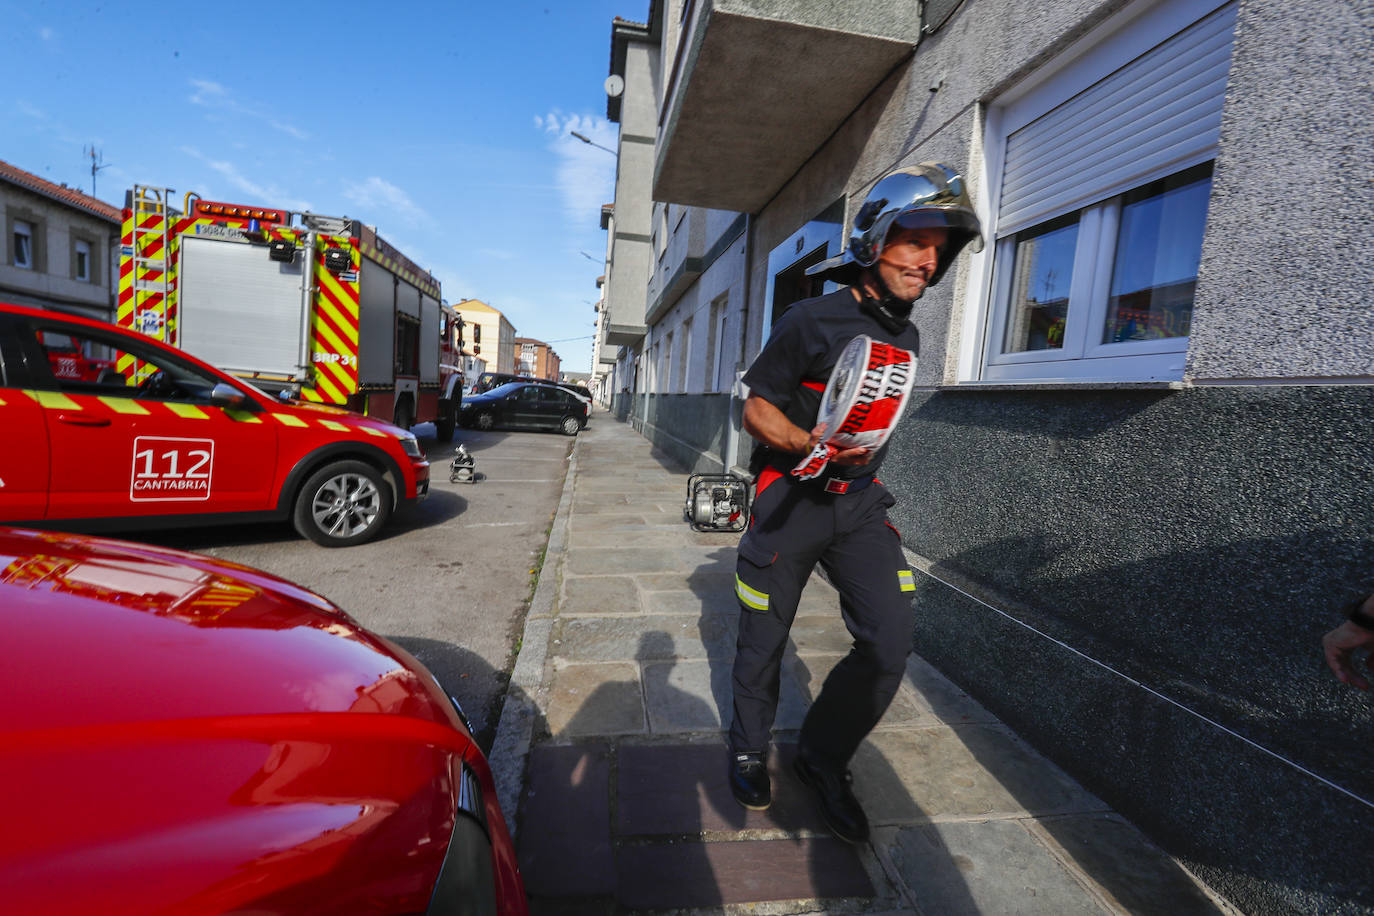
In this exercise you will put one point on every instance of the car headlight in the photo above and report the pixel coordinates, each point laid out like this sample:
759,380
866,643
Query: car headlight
411,446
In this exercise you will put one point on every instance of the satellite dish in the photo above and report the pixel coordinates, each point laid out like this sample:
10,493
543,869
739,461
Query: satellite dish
615,84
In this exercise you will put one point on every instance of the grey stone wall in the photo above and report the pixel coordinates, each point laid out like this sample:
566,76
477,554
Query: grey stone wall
689,427
1197,542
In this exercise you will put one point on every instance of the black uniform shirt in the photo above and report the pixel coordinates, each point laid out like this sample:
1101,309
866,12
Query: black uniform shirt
793,367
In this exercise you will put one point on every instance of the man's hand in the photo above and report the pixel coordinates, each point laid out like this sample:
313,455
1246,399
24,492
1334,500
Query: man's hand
1340,646
848,456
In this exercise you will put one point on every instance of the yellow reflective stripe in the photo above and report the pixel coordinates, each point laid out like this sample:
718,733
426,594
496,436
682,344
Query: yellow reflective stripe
751,597
906,580
241,416
54,399
188,411
334,425
123,405
375,432
287,419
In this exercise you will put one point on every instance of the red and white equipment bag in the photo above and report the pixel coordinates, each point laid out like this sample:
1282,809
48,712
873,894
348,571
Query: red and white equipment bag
863,400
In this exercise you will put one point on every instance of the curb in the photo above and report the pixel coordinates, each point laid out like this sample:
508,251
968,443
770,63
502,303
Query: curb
520,709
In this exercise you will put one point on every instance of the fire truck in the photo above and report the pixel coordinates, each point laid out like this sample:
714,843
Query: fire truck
313,307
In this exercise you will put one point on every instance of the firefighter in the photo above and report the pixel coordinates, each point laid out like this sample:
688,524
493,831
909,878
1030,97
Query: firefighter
911,226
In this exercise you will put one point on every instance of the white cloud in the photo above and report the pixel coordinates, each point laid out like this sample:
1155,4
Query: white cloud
585,174
46,33
212,95
380,198
266,194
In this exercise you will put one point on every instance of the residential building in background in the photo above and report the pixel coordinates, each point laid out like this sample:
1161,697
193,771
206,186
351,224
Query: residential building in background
61,246
488,335
1135,474
536,358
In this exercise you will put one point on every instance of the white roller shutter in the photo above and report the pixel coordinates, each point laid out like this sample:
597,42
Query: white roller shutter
1159,113
238,309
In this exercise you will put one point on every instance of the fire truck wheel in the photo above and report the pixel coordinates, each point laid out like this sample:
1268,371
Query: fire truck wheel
570,426
342,504
402,415
485,420
445,425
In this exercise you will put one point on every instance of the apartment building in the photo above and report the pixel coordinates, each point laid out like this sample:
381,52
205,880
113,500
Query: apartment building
488,335
1135,477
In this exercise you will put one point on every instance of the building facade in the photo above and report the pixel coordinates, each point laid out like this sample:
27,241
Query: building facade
61,246
489,336
536,358
1135,473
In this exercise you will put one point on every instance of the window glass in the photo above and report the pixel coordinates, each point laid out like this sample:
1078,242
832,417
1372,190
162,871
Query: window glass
1042,269
91,363
83,260
529,393
1158,247
23,244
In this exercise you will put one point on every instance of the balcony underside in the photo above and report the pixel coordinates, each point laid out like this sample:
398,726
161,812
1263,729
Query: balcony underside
755,97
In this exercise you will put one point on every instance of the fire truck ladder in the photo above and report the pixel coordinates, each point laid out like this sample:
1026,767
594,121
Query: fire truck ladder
148,201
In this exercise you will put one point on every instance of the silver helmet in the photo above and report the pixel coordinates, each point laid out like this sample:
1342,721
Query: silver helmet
929,195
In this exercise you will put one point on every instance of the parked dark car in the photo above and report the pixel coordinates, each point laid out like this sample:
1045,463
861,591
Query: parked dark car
533,405
182,734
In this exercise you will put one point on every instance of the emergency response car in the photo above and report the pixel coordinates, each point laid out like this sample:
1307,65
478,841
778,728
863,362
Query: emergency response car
167,440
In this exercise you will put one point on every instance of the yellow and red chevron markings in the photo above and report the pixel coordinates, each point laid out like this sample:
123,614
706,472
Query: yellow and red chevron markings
334,326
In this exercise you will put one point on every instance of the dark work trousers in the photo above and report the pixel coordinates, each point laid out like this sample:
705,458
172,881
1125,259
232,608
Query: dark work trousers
795,525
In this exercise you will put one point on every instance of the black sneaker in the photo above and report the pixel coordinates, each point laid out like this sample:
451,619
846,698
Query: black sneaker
749,781
839,808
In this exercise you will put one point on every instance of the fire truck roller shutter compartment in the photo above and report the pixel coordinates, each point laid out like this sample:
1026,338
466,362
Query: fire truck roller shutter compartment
376,324
429,340
248,308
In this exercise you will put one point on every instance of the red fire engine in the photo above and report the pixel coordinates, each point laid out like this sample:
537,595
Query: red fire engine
319,307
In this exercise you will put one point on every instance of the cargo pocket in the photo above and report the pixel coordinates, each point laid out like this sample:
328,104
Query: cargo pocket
753,575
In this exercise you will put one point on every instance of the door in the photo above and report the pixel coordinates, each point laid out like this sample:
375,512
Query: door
24,459
527,409
146,440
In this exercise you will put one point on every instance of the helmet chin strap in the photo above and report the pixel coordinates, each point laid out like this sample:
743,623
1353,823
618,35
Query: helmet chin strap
892,313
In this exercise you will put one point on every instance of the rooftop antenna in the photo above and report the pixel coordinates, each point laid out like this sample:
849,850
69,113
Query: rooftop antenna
97,163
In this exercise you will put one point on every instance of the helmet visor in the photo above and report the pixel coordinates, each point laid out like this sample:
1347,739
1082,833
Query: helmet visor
963,225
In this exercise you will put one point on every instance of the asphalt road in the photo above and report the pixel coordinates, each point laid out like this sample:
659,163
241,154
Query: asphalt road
449,579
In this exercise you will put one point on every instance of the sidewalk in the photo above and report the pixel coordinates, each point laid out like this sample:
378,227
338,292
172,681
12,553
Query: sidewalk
611,764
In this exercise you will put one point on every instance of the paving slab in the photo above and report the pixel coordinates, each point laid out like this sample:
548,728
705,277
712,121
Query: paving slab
987,869
599,596
972,771
568,795
595,699
665,790
1133,873
612,638
687,695
694,874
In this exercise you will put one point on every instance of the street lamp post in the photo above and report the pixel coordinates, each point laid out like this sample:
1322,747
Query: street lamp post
590,142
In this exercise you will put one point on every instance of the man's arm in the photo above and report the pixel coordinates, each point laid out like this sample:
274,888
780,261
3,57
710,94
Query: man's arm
769,425
1341,644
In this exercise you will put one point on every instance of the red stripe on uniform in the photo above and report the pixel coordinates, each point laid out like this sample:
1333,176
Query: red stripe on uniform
814,386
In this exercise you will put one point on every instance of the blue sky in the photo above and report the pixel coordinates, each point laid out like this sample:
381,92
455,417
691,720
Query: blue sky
444,124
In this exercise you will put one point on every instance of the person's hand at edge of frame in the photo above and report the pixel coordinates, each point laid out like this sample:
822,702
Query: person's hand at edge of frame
1342,644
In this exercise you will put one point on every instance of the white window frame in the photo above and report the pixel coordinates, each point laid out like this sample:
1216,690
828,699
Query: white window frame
22,227
82,251
1124,37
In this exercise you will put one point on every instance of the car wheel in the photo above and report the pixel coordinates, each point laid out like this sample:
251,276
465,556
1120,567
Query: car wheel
571,425
485,420
343,504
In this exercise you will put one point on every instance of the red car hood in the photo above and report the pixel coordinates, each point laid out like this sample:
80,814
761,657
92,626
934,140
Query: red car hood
186,735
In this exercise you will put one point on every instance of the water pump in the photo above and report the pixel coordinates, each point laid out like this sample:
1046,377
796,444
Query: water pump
717,502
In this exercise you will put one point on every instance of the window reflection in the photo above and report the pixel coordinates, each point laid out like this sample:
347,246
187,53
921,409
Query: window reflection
1042,269
1158,247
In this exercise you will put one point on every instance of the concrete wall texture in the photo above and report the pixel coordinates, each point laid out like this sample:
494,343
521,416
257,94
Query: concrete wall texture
1138,579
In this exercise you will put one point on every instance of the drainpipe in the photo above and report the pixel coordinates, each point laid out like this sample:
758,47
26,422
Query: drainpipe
736,418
